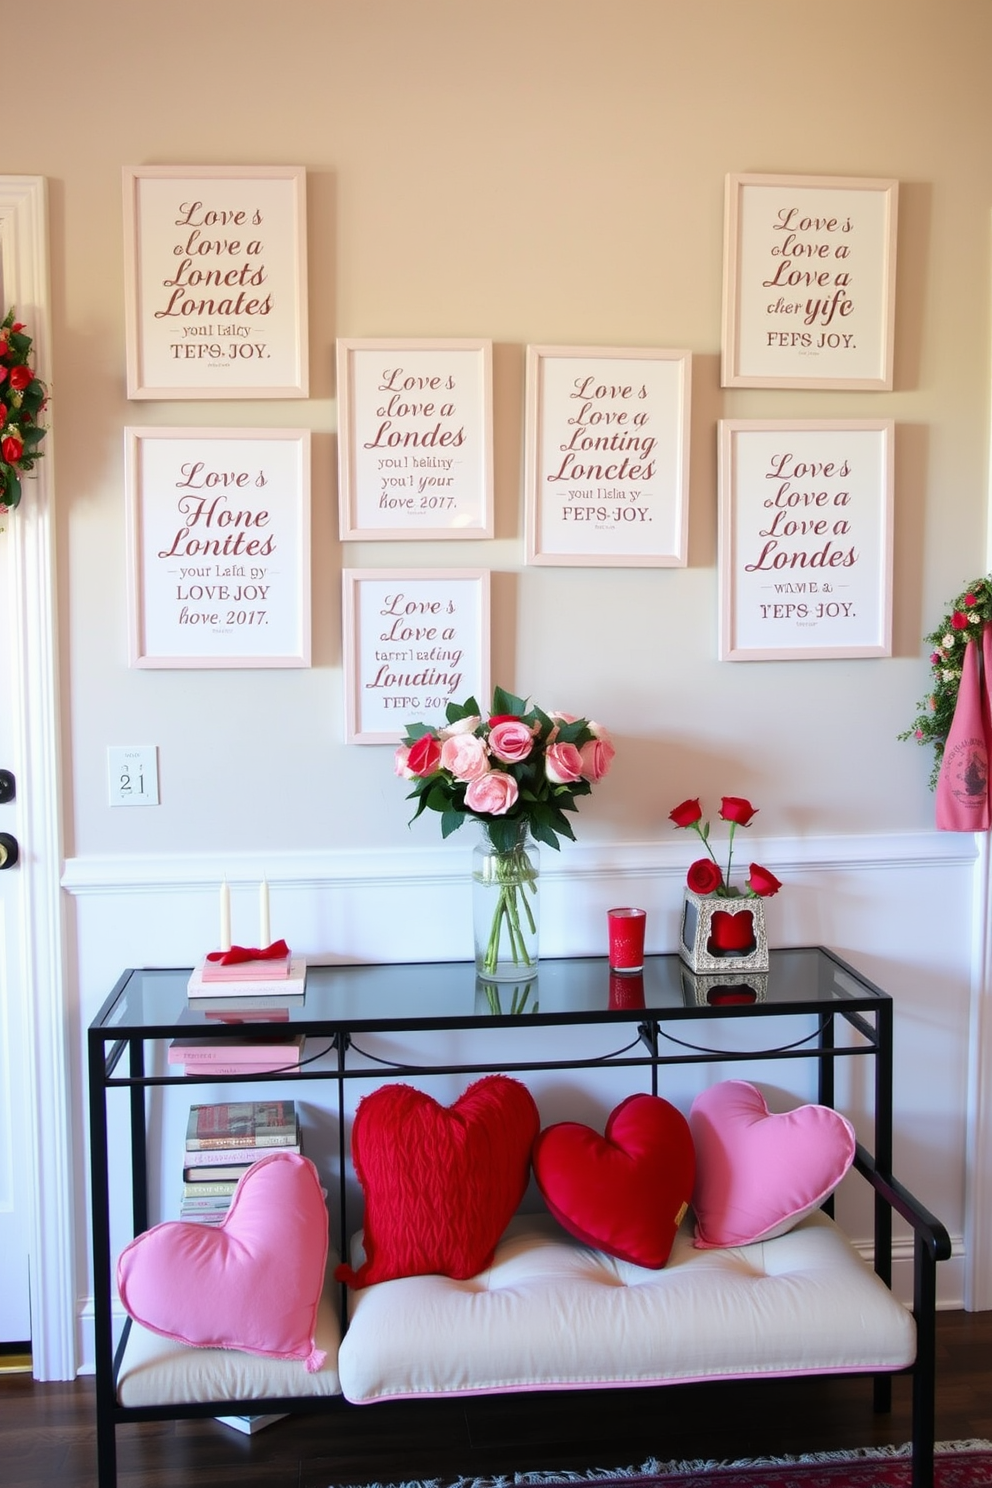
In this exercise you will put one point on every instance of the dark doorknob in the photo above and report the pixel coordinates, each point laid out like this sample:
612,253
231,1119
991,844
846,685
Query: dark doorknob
8,850
8,788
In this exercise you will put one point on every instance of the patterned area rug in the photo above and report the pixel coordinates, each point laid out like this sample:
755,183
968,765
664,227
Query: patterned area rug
965,1464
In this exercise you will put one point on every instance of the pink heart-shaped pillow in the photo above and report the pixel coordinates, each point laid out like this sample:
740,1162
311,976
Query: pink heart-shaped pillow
252,1282
759,1174
441,1183
625,1192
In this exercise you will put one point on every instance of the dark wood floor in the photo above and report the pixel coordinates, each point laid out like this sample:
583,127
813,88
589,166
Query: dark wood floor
47,1433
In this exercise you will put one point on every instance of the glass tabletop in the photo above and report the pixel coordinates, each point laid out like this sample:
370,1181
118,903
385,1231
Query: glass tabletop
449,994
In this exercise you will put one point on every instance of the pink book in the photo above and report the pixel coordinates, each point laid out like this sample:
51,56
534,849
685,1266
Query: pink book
225,1051
246,971
233,1067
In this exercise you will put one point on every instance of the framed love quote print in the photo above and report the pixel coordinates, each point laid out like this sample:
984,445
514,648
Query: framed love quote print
415,640
606,456
809,282
805,542
415,456
215,272
218,539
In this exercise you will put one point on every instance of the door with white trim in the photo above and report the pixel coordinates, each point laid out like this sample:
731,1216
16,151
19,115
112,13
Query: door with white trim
15,1137
37,1263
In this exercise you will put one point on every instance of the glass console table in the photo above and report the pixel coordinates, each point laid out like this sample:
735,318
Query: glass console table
641,1014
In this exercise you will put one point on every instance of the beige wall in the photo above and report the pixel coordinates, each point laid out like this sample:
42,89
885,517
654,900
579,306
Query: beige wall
532,171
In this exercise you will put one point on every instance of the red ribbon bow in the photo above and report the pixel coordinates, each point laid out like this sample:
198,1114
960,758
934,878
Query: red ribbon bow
275,952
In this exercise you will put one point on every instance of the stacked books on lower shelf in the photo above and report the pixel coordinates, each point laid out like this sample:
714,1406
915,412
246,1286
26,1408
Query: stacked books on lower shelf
222,1142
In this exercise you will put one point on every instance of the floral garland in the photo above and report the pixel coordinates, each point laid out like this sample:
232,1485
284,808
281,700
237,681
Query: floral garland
23,396
967,618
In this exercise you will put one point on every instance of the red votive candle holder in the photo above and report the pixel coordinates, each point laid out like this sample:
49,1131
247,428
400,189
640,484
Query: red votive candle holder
626,927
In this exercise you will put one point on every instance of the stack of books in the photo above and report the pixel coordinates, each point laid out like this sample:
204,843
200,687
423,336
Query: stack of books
217,1056
222,1142
248,976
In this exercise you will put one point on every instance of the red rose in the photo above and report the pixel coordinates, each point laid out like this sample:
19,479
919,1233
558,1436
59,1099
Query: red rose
686,813
958,620
704,877
3,414
21,377
4,347
425,755
736,809
762,882
12,449
503,718
970,599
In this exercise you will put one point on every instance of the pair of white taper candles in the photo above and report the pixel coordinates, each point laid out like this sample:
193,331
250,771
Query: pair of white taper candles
264,930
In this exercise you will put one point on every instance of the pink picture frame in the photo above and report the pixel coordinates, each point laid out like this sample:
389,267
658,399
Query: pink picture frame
415,445
809,282
805,538
606,457
215,278
218,543
414,640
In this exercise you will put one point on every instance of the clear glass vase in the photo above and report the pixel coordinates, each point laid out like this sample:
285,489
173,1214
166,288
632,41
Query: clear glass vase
506,906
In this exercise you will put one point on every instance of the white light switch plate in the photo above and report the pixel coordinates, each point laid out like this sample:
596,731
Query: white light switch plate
133,770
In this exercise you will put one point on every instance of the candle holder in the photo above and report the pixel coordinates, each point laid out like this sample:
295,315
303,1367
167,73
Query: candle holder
705,947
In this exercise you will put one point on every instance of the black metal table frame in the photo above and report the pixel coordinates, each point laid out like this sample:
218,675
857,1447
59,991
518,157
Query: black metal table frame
869,1013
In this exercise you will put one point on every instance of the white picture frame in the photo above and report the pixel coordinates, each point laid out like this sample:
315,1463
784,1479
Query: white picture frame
415,446
606,456
218,543
414,641
805,538
809,282
215,275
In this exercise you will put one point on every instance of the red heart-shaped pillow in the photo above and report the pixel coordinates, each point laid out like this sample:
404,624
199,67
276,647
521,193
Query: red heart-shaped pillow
252,1282
441,1183
625,1192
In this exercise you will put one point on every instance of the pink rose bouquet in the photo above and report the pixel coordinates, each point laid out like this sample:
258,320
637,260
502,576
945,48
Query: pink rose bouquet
517,765
24,397
518,768
705,876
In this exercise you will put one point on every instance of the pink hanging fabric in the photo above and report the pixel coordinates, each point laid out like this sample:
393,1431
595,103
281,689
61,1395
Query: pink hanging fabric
963,784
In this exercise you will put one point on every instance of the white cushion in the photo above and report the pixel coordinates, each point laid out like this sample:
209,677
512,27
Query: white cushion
160,1371
551,1313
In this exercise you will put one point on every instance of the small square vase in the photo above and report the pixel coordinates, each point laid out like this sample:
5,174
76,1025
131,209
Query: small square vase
696,945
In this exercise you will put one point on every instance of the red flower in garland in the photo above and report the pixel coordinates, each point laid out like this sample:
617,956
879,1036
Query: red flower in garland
25,398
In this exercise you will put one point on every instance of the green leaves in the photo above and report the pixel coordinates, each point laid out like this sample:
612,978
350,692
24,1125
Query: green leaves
507,702
966,620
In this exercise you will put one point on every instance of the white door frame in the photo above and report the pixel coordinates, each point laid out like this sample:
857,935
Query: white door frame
30,537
